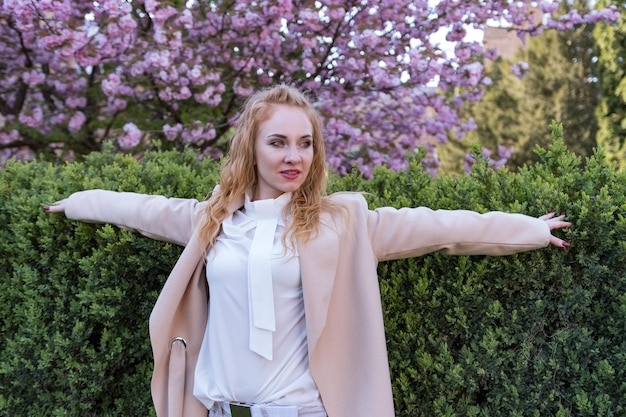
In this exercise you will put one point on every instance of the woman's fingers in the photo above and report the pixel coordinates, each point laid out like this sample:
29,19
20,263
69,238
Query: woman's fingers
560,243
556,222
58,207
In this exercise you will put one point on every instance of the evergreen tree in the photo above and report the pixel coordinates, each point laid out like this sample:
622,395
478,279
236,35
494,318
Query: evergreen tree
497,117
611,111
560,85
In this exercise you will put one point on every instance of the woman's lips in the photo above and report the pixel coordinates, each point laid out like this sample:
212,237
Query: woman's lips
290,173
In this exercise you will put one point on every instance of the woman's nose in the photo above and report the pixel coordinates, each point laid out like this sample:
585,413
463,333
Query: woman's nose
292,156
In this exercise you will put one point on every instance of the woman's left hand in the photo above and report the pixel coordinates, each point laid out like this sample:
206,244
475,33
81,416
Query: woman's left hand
556,222
58,207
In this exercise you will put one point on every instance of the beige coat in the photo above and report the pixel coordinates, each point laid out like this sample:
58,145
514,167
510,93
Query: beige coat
347,352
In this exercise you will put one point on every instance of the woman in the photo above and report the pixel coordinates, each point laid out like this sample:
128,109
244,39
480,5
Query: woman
273,308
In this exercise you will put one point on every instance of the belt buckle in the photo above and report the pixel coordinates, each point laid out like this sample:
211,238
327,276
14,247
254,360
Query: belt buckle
238,410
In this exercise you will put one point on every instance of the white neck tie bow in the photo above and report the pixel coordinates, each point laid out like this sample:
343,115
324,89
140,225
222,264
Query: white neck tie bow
260,285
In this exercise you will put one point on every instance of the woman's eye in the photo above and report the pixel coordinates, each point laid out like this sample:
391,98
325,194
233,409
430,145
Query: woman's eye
306,144
277,143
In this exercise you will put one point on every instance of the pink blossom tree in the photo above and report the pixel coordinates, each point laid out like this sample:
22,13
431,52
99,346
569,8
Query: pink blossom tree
76,73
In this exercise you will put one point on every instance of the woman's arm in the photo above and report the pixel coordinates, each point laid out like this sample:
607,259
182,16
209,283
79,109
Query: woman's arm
158,217
407,232
411,232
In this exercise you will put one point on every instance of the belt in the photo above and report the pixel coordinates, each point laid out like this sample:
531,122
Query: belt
266,410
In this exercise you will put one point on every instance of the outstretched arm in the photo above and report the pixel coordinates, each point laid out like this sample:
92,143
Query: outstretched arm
409,232
158,217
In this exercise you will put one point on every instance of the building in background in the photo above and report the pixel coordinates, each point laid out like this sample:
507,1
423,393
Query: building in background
504,40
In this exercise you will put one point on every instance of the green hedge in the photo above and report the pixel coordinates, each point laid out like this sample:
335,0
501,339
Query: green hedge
536,334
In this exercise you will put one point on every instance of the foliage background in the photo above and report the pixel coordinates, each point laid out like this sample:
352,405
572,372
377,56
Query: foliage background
611,111
561,83
75,74
535,334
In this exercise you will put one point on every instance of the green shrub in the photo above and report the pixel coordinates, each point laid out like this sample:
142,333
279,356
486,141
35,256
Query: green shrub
535,334
74,297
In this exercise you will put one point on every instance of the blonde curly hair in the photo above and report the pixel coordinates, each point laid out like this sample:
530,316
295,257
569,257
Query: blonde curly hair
238,173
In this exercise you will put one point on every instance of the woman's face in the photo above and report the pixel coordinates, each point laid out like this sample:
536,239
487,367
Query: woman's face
283,152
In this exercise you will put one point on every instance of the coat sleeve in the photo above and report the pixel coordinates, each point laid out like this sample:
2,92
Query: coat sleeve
408,232
168,219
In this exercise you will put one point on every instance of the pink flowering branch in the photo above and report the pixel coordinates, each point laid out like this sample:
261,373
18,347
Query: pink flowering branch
78,73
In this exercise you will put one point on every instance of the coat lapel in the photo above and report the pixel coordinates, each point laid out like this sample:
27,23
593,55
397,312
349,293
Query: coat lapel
318,264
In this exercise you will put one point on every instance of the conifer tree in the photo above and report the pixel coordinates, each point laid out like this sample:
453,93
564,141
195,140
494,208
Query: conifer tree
497,118
611,111
560,85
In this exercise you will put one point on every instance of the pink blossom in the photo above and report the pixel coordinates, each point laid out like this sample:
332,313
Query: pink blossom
172,132
186,19
491,54
457,33
74,102
195,72
116,104
473,73
336,13
77,121
33,78
160,59
137,68
309,16
375,63
164,13
183,94
194,134
58,119
213,153
151,5
160,35
520,69
166,94
131,136
209,96
243,91
462,52
308,65
33,119
110,84
549,6
114,8
308,43
10,136
127,23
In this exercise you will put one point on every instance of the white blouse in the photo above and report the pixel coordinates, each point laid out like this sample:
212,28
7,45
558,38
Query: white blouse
255,346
